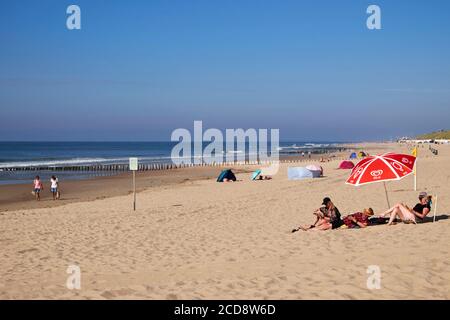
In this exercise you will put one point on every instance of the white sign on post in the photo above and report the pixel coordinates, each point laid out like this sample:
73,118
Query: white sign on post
133,164
134,168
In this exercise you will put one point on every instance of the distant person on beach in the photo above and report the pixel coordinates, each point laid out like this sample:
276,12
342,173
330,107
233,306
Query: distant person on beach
408,215
38,187
54,187
358,219
327,217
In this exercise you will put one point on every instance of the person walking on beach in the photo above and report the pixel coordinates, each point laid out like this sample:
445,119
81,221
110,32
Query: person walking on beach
38,187
54,187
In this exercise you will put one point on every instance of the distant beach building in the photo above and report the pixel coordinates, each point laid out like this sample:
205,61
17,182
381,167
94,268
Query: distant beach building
423,141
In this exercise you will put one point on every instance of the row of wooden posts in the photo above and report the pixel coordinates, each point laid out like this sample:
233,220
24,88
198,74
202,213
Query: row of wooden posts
433,151
154,166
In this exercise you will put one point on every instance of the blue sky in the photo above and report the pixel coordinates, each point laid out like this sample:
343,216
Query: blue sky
137,70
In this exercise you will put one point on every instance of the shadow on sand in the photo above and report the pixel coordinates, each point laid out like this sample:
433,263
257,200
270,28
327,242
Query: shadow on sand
438,218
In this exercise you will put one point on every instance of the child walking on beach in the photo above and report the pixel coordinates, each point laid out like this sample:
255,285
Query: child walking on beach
54,187
38,187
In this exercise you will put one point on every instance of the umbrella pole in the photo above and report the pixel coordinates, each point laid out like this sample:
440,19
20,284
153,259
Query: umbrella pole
435,208
387,197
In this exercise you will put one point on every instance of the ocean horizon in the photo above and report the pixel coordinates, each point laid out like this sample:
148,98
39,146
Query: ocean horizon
15,154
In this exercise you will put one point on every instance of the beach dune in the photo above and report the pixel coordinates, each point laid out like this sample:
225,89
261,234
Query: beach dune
198,239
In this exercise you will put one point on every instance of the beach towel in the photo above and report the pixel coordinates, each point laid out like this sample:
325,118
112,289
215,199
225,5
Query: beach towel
374,221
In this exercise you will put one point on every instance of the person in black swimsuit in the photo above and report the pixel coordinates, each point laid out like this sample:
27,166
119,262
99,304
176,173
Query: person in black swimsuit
423,208
334,214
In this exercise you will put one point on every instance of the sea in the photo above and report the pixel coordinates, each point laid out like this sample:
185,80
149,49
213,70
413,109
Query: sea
61,154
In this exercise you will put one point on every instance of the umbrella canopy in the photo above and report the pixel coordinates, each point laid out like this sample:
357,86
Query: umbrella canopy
385,167
314,167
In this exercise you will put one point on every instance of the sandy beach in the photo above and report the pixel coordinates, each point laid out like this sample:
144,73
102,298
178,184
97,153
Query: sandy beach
193,238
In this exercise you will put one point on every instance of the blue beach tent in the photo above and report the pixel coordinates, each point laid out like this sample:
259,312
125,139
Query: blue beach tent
226,174
353,155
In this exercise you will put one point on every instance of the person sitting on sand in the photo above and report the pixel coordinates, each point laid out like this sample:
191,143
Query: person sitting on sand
38,187
327,217
335,220
359,219
423,208
320,214
403,212
406,214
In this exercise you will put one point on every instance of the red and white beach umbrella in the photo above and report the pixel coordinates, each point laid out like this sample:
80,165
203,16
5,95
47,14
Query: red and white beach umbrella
381,168
388,166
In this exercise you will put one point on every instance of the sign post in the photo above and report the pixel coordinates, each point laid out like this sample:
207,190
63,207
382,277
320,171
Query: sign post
134,168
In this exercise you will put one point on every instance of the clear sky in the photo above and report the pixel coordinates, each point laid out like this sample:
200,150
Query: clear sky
139,69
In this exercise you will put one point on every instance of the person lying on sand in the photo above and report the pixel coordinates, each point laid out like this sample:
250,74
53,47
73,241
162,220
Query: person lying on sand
327,217
359,219
408,215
